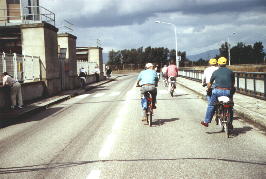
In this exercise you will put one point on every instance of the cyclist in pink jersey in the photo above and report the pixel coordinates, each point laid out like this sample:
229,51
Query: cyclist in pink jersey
172,72
172,69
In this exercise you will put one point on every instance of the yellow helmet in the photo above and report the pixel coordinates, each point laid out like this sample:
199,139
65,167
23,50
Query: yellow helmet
213,61
222,61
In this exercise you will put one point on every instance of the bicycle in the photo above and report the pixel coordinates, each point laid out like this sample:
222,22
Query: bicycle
147,106
172,85
165,80
223,113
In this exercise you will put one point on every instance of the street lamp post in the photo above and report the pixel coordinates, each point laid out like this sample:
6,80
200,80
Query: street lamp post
229,49
161,22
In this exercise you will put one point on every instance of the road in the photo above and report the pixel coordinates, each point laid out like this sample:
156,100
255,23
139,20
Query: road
100,135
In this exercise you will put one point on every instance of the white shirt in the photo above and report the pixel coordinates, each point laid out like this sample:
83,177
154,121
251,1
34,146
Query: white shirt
208,74
8,80
164,69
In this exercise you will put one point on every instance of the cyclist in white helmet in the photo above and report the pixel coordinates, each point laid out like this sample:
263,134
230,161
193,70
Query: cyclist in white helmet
148,81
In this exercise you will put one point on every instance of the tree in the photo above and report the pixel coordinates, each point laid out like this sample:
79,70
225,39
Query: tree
258,53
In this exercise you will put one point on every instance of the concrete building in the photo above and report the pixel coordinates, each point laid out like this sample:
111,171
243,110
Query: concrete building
19,11
67,44
92,55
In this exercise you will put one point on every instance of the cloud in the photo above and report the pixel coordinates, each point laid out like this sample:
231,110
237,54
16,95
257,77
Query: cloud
96,13
201,24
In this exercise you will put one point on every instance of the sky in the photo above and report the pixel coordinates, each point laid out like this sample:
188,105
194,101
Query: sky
201,25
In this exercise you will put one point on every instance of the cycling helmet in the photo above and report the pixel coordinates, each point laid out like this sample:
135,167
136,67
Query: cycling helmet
213,61
222,61
148,65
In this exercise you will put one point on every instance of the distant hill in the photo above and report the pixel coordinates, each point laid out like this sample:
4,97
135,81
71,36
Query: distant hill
204,55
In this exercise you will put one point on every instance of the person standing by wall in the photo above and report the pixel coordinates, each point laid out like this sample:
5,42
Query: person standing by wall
97,73
15,90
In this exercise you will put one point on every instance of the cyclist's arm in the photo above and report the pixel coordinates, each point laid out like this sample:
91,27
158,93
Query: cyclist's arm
209,85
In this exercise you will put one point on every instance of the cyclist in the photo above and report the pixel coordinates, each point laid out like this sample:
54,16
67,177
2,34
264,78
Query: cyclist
82,77
207,76
148,81
164,75
223,80
157,69
172,73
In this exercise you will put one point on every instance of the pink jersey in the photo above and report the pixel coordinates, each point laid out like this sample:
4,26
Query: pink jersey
172,71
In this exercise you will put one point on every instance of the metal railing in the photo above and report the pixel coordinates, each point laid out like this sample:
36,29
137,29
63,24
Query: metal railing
22,67
28,15
248,83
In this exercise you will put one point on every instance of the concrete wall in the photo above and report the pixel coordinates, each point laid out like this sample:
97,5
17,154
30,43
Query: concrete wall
68,41
41,40
34,90
30,91
95,55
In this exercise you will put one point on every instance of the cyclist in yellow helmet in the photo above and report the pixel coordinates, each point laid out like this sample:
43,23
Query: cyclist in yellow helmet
223,79
207,76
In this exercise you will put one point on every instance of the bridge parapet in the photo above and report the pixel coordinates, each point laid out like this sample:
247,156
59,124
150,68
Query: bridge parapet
248,83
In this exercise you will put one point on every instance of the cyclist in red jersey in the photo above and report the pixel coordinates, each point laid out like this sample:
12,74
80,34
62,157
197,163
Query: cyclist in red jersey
172,72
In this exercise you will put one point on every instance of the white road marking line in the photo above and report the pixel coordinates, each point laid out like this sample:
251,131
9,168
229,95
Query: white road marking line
107,147
114,93
95,174
82,96
98,95
110,141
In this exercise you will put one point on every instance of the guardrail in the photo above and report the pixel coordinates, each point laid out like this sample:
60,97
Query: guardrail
22,67
248,83
28,15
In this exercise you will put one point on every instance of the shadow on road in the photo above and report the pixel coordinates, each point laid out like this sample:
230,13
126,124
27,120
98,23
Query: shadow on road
41,167
243,130
160,122
28,117
235,132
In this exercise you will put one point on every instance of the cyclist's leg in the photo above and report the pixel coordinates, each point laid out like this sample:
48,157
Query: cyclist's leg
154,95
211,106
142,92
169,84
175,83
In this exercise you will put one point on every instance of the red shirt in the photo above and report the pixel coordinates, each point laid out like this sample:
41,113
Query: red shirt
172,71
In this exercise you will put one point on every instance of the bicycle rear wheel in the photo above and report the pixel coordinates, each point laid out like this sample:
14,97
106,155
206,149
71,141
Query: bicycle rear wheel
221,126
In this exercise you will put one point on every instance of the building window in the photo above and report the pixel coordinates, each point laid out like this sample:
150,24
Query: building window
13,1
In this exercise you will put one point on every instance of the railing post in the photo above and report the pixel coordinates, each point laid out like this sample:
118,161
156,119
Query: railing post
246,82
4,62
264,86
254,83
237,80
32,63
23,66
15,65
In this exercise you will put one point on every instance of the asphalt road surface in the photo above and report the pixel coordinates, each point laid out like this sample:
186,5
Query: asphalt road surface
100,135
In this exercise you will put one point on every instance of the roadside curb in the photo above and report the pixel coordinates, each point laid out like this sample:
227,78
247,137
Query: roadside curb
246,115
